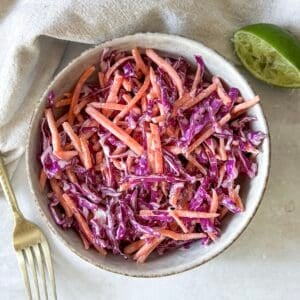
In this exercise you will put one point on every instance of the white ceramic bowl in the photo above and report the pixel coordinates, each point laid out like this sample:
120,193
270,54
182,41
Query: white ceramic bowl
252,190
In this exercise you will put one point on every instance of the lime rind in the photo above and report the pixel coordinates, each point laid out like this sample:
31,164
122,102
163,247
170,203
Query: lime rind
264,61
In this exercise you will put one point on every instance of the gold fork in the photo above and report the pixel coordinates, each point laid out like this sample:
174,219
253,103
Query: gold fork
31,246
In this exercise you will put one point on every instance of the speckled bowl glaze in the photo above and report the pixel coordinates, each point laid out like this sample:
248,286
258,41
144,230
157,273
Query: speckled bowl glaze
252,190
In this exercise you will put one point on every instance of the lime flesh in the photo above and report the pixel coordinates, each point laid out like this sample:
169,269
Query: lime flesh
269,53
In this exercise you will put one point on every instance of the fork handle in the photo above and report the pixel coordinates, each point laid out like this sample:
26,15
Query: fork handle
8,192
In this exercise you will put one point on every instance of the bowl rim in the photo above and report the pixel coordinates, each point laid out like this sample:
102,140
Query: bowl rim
54,230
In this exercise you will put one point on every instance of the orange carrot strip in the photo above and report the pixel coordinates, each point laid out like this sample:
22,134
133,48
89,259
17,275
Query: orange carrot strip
196,81
60,120
174,196
158,158
214,202
63,102
56,143
144,104
139,61
134,100
220,90
69,146
86,154
85,242
58,193
78,107
147,249
181,236
167,68
127,98
118,164
43,179
195,214
238,199
114,90
71,175
241,108
150,153
101,79
223,213
158,119
129,162
154,84
99,157
115,130
179,222
82,223
127,85
195,163
207,133
133,247
115,66
110,106
222,151
83,78
72,135
221,174
65,155
174,149
202,95
180,213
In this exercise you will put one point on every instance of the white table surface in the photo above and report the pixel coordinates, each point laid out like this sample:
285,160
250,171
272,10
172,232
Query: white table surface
264,263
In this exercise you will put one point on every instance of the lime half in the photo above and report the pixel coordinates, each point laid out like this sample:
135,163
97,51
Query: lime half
269,53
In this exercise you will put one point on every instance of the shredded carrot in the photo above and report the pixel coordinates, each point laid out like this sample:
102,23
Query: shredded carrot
214,202
63,102
196,81
222,172
220,90
129,162
207,133
174,196
115,130
237,198
110,106
195,163
99,157
86,154
223,213
139,61
162,63
147,249
43,179
127,98
82,104
82,223
154,84
144,104
134,100
71,175
65,155
83,78
56,143
72,135
58,193
133,247
241,108
114,90
101,79
178,221
202,95
181,236
158,119
85,242
158,158
181,213
115,66
127,85
150,153
222,151
173,149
